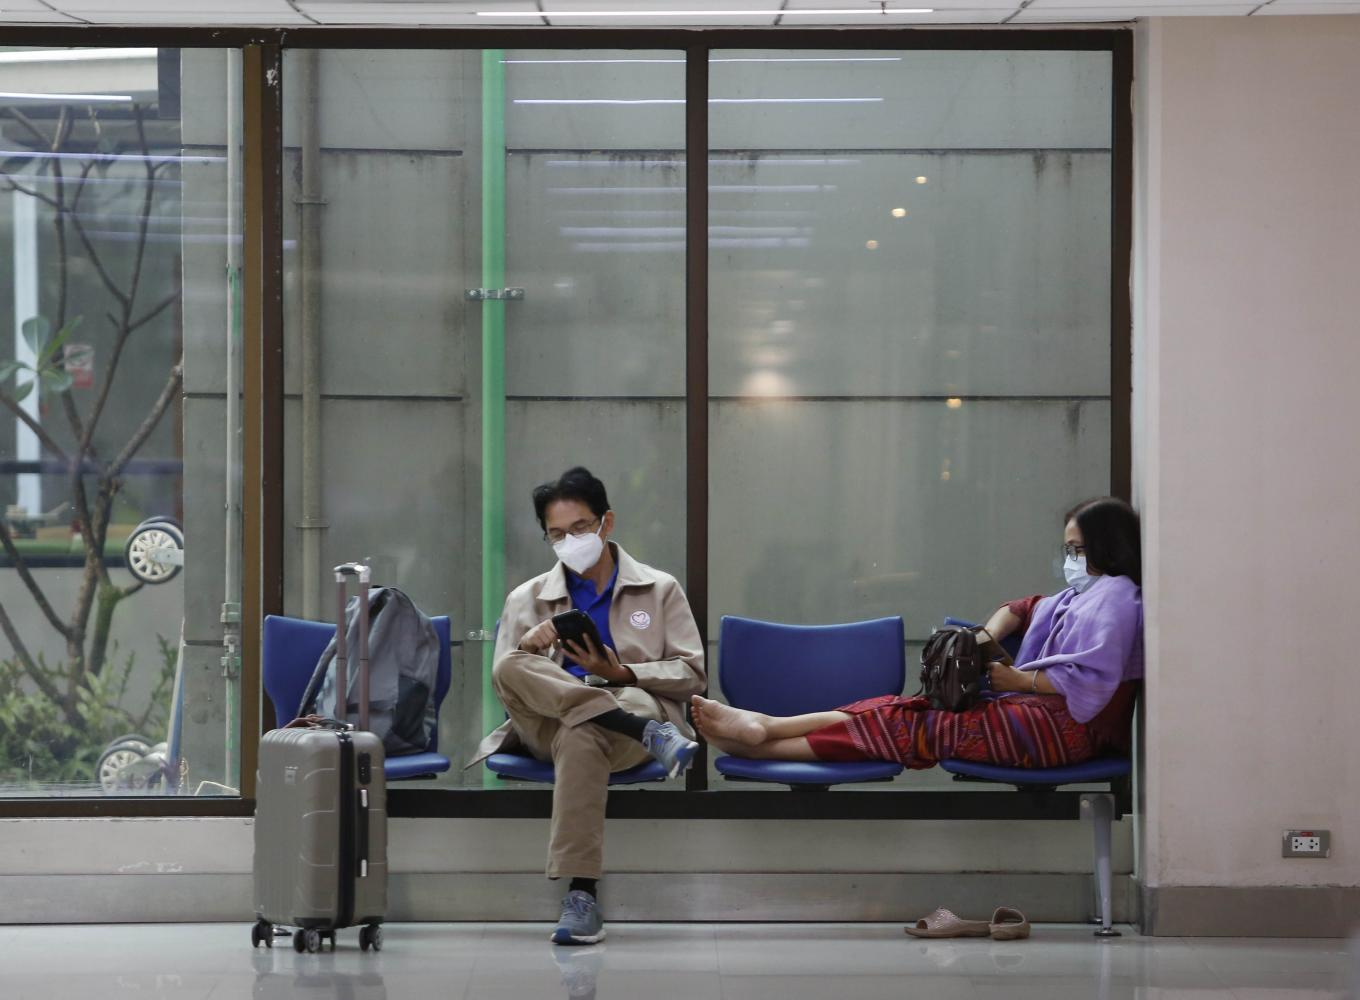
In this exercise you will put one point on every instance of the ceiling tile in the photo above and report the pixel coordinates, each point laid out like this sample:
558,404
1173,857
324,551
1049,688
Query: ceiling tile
1308,7
1131,8
10,16
1125,12
193,19
241,10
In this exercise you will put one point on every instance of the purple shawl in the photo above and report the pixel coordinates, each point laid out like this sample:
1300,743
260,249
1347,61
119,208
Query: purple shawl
1087,643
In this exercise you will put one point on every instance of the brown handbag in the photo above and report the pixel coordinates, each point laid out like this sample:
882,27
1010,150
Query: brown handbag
954,667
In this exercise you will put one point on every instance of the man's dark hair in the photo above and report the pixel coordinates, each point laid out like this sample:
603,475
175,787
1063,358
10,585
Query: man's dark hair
1109,532
574,484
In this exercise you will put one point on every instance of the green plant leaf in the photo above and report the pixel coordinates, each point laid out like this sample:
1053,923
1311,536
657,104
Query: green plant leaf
56,380
8,368
36,330
54,345
21,392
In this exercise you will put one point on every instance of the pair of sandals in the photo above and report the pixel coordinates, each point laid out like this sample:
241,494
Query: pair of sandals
1006,925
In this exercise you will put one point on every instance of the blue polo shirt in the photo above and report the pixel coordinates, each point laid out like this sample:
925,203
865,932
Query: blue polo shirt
584,598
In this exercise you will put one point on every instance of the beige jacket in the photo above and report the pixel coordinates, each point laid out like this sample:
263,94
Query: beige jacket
654,632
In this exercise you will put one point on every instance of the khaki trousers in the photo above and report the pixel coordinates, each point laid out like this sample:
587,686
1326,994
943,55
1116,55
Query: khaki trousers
550,709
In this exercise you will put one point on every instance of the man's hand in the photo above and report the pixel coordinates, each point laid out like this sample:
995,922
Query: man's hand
540,638
602,664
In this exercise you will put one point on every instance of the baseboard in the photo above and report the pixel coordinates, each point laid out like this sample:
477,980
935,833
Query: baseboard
476,896
1251,911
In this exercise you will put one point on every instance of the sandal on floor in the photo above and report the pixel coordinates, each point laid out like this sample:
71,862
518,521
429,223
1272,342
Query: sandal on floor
944,924
1008,924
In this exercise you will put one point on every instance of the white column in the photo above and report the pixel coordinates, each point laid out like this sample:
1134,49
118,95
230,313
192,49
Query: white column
26,447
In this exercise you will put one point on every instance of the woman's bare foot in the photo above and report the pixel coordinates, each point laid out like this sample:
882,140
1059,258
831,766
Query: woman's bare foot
721,723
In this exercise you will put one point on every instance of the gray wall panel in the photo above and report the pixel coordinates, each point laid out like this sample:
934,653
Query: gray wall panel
394,484
838,511
917,100
597,242
393,319
996,281
616,77
387,98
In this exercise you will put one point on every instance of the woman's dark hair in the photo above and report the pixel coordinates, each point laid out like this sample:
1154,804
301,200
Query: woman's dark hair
574,484
1109,532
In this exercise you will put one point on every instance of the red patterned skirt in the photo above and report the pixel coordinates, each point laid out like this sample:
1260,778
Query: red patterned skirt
1023,730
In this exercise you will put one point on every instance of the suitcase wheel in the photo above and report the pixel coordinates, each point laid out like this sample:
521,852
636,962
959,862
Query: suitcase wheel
308,940
262,932
370,936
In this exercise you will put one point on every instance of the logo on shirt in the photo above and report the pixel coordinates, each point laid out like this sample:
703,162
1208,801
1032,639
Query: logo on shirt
639,619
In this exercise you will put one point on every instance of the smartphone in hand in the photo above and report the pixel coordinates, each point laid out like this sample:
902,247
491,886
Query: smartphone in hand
573,625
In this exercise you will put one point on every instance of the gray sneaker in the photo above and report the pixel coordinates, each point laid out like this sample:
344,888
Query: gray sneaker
582,922
668,745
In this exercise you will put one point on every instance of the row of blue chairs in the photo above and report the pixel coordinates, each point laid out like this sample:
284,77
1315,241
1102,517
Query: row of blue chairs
765,667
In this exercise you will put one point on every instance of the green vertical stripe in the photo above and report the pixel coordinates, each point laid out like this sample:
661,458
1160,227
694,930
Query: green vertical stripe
493,365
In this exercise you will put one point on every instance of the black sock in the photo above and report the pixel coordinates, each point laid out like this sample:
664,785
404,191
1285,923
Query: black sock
619,721
585,885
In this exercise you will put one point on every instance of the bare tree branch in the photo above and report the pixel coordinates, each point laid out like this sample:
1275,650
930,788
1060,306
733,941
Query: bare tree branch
33,425
43,604
97,261
28,125
31,192
167,396
146,212
84,179
39,678
156,310
62,133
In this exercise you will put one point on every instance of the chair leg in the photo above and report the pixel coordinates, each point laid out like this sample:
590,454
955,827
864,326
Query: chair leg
1101,810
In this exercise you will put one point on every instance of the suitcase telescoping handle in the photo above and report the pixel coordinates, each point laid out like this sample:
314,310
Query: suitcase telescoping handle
342,575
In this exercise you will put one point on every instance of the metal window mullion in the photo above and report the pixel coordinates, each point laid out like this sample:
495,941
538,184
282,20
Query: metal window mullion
262,410
1121,261
696,359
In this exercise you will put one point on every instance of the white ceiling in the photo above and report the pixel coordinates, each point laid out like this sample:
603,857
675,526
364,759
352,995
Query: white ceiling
614,13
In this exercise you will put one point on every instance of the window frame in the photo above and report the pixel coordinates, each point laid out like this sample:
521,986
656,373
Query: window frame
263,458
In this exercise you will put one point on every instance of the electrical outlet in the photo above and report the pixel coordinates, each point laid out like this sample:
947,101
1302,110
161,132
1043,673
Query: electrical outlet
1307,844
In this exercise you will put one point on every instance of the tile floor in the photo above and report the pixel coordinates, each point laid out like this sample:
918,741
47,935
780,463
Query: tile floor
660,961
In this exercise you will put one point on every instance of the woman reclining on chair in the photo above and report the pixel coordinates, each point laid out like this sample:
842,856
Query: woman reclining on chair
1068,699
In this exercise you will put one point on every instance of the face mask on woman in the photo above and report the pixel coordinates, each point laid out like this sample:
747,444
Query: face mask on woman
579,553
1074,571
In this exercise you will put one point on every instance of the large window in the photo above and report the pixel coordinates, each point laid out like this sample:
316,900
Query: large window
420,411
119,422
879,326
909,328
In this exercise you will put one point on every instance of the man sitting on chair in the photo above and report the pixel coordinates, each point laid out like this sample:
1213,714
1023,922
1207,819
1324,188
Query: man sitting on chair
588,710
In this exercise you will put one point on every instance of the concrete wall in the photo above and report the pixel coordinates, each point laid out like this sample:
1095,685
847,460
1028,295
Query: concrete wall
1248,360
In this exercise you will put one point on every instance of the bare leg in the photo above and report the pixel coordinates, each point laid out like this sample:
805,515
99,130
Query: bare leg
724,723
796,748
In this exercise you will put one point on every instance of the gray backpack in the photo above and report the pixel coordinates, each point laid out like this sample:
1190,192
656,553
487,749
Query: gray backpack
403,666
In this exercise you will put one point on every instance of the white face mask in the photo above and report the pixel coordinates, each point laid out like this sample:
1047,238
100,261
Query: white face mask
1074,571
578,554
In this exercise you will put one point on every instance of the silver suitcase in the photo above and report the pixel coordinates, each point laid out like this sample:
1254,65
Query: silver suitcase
321,815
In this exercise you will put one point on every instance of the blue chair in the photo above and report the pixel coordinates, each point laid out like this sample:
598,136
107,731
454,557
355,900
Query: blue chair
291,648
796,669
523,767
1100,806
